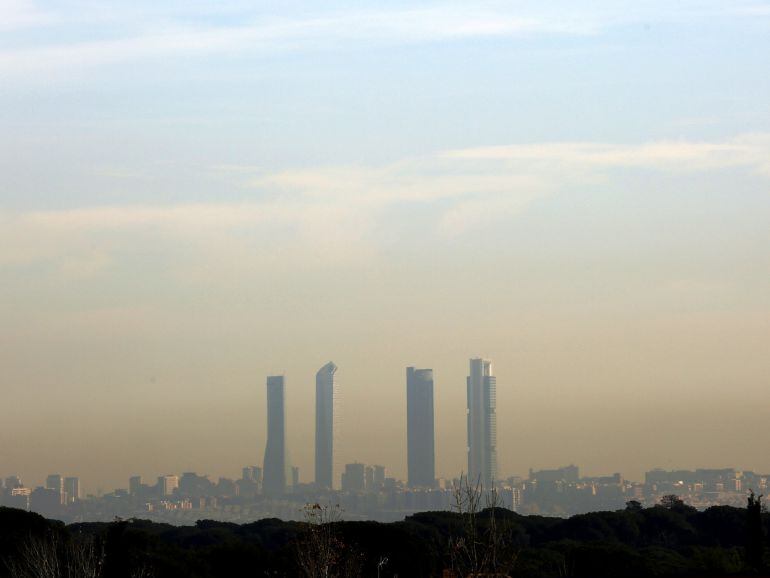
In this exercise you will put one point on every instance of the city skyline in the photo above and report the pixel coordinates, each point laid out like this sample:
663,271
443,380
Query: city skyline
666,525
368,492
276,398
197,195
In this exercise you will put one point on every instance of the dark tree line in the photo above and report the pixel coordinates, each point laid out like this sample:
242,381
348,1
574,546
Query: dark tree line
671,539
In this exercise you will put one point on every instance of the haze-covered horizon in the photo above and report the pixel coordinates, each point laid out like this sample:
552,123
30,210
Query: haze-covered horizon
193,197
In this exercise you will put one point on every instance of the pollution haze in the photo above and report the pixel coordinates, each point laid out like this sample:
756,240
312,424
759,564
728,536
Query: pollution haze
194,197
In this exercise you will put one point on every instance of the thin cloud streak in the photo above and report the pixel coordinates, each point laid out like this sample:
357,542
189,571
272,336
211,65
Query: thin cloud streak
286,34
753,9
258,35
751,150
20,14
466,189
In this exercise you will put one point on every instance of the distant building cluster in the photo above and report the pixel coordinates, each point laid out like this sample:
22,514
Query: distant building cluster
365,491
368,493
58,494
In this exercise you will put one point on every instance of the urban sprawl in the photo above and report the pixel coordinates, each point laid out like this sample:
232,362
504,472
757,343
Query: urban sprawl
366,491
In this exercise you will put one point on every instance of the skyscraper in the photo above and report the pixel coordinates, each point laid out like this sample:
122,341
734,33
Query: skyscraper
56,482
379,477
274,469
325,425
167,485
421,459
353,478
13,482
72,489
482,423
135,485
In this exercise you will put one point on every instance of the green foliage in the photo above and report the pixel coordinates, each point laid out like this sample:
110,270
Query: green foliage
755,534
631,543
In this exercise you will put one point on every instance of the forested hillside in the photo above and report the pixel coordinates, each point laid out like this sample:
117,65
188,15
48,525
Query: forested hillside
670,539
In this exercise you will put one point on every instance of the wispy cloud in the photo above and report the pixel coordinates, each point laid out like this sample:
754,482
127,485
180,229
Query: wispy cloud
81,241
747,150
752,8
335,214
270,34
102,34
423,180
16,14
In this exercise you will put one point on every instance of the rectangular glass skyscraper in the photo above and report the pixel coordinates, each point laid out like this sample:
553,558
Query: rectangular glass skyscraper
421,459
325,425
482,423
275,465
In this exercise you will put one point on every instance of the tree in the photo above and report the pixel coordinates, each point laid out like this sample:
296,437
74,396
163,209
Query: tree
484,546
54,556
321,551
671,502
755,533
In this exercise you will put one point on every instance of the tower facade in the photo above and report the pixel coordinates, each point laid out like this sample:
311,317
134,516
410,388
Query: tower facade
72,489
482,423
56,482
167,485
421,458
326,420
274,467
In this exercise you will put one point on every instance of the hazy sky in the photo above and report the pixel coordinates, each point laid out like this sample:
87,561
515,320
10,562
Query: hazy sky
194,195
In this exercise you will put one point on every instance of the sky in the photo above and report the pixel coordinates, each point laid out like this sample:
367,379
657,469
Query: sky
196,195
